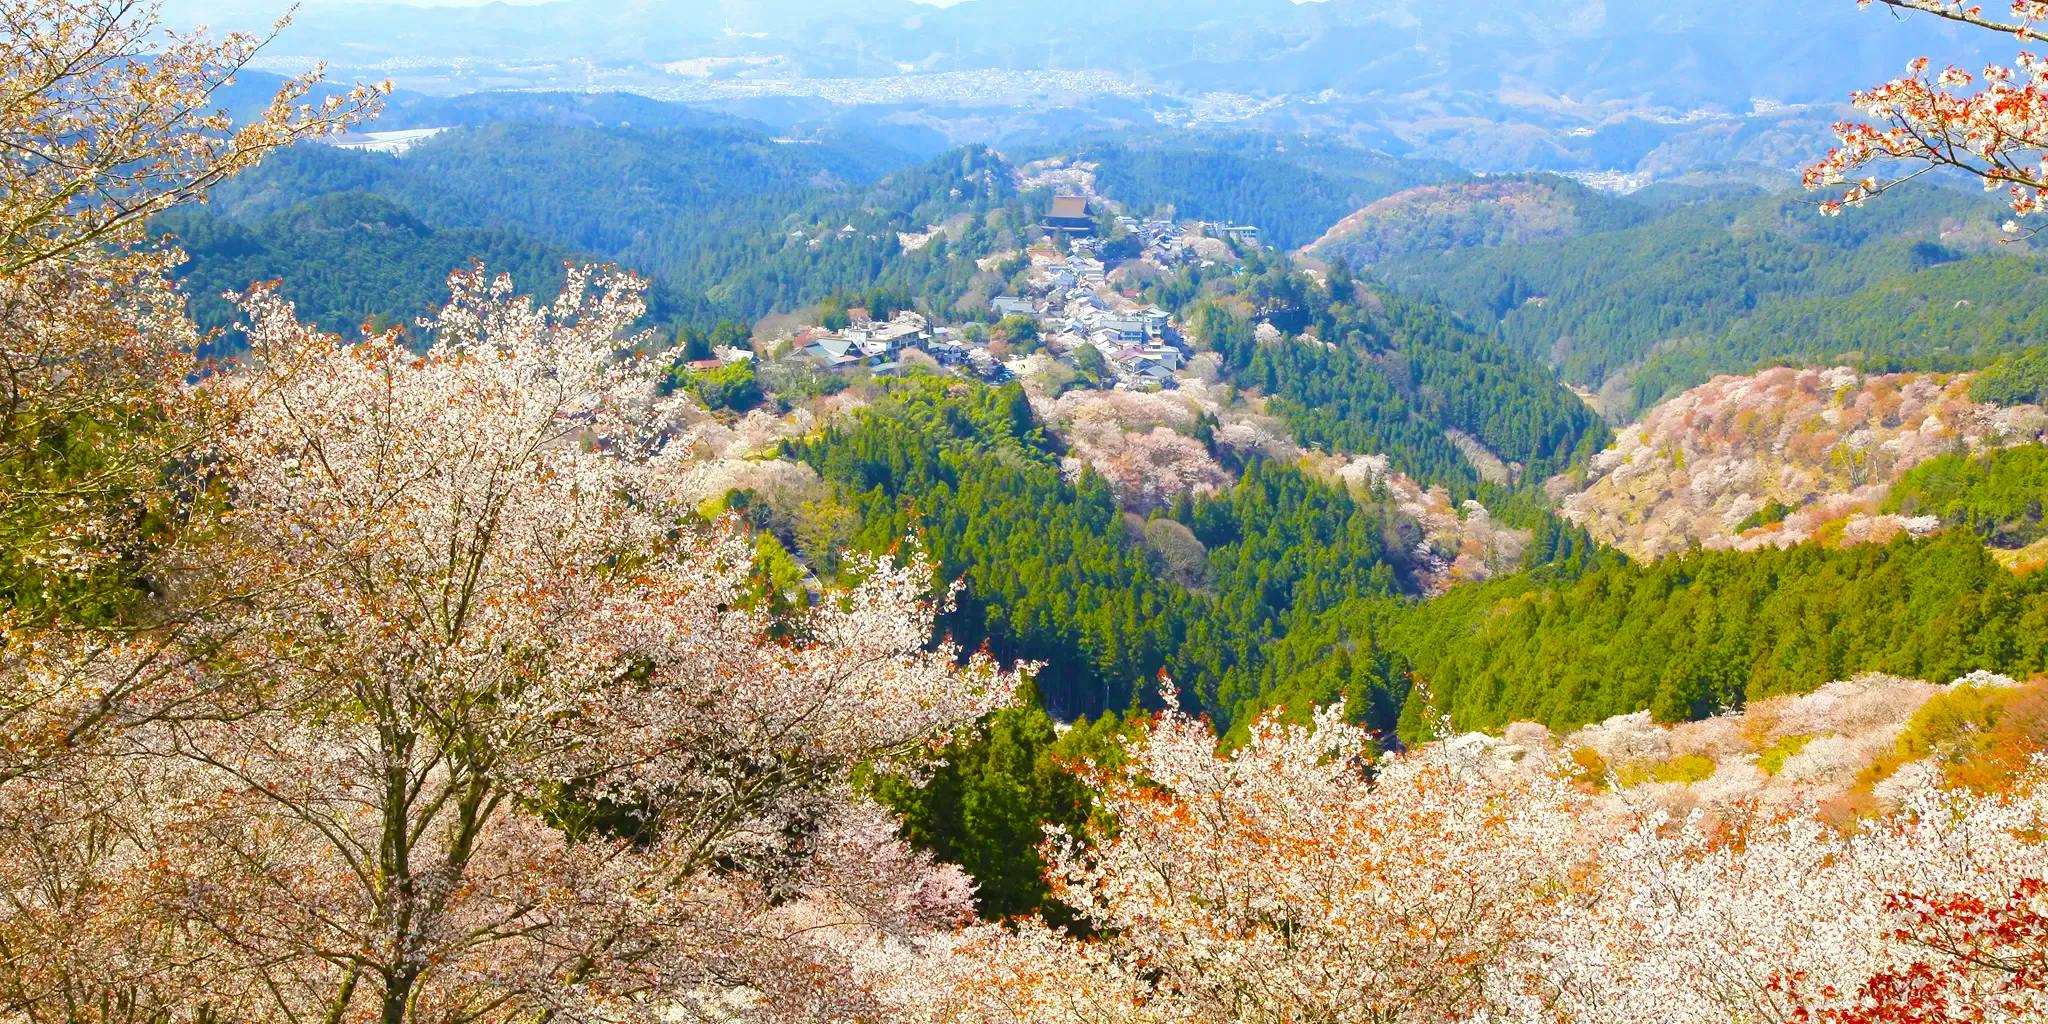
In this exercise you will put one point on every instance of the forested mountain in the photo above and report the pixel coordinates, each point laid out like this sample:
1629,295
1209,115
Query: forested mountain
599,186
1642,312
1482,213
734,222
1381,373
1308,596
1690,634
348,258
1052,574
406,109
1290,186
727,221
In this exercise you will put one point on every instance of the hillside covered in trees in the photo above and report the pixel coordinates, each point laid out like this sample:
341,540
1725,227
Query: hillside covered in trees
1486,213
1291,187
642,566
726,221
1786,456
1639,313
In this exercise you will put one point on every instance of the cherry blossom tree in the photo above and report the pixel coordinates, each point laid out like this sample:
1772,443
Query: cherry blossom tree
1277,882
1283,881
1149,470
573,763
1990,122
1779,918
1135,441
495,733
110,118
105,120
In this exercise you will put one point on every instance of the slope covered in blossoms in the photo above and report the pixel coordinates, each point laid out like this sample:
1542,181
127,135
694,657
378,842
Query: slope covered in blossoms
1845,747
1150,449
1781,457
1501,880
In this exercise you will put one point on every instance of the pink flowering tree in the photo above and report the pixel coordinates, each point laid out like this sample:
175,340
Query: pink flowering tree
1991,122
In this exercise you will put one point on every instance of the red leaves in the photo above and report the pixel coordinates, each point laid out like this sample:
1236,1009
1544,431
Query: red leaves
1986,962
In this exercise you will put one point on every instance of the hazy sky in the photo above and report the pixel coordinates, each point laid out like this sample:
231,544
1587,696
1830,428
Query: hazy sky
479,3
476,3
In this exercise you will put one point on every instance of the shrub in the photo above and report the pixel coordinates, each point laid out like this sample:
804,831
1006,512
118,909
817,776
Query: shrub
1684,770
732,386
1998,495
1592,768
1773,759
1775,512
1954,724
1983,736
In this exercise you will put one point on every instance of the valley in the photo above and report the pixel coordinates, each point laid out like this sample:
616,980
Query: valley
1172,402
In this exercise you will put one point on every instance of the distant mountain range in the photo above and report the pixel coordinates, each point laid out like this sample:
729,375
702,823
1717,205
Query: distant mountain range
1557,84
1573,52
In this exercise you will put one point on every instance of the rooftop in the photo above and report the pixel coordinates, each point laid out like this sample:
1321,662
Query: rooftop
1070,207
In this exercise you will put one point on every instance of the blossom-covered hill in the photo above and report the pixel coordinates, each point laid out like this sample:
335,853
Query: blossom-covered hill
1145,446
1847,747
1465,215
1530,881
1783,456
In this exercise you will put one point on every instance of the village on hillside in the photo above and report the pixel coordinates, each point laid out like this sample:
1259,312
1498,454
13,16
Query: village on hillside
1074,303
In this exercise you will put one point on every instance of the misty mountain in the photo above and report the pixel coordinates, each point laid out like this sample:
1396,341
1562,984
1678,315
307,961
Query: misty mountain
1564,52
1548,84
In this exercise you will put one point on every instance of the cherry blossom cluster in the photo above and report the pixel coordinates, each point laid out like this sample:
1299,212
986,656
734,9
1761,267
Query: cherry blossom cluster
1677,922
107,120
1827,442
1286,880
1992,124
1461,542
1276,882
1137,442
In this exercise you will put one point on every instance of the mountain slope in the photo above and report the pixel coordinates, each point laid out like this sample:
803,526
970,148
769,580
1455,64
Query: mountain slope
1641,313
730,221
349,258
1687,635
1289,186
1476,214
1783,457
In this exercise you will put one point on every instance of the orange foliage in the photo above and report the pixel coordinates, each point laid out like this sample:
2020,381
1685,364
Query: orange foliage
1982,736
